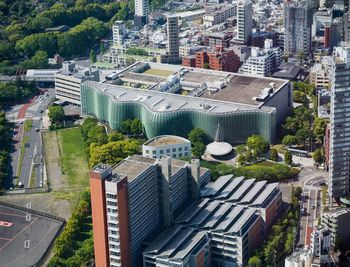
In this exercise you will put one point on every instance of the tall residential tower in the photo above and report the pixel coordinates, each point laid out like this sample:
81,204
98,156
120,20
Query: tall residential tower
173,39
244,21
141,12
339,162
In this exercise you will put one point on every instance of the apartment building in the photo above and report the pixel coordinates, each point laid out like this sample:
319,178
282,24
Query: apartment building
336,222
141,12
339,161
173,39
69,79
218,14
118,30
263,62
320,73
135,199
244,21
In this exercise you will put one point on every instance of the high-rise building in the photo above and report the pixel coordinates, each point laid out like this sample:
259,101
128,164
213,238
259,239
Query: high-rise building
118,30
339,162
135,199
244,21
336,222
297,23
141,12
173,39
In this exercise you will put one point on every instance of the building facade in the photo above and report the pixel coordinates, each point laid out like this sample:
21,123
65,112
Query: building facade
297,21
320,73
218,15
141,12
339,162
69,79
167,145
173,39
133,199
118,30
336,222
244,21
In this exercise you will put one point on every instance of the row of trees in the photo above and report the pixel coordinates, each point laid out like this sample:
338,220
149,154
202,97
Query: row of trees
280,241
111,148
12,92
72,247
5,145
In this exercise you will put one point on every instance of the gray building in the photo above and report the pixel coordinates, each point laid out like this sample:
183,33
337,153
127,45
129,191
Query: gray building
297,23
244,21
173,39
339,163
336,222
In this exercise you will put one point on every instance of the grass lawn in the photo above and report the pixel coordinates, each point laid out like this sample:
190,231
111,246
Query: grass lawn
158,72
73,157
21,155
27,125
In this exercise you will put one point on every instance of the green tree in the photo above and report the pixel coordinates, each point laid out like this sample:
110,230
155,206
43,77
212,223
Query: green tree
136,127
93,57
125,126
241,159
198,149
197,135
115,136
288,158
240,149
289,140
319,129
274,155
299,97
301,135
206,66
56,114
102,49
258,144
40,60
254,262
318,156
248,155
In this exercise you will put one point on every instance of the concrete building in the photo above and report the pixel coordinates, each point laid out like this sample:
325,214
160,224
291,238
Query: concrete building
118,30
297,21
300,258
216,39
188,50
69,79
346,19
141,12
321,20
42,75
320,73
320,242
263,62
167,145
138,197
173,39
244,21
242,104
336,222
234,214
218,14
339,162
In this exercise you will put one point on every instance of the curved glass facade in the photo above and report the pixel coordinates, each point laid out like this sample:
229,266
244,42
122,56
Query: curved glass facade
236,126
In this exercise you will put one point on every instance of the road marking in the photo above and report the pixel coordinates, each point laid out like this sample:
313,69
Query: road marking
5,224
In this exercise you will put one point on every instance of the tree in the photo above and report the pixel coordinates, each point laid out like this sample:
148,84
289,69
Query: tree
136,127
258,144
125,126
93,57
115,136
301,57
241,159
56,114
289,140
248,155
240,149
318,156
274,155
299,97
197,135
206,66
40,60
288,158
198,149
319,129
254,262
301,135
102,49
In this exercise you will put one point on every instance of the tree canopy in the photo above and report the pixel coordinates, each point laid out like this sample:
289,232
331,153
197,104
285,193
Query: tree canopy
56,114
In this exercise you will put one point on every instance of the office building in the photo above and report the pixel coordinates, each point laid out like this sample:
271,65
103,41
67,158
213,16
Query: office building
320,242
339,162
243,105
263,62
136,199
167,145
244,21
69,79
336,222
218,39
141,12
118,30
302,258
346,19
297,21
222,228
173,39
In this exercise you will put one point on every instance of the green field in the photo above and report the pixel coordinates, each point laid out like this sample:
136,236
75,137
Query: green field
157,72
73,157
27,125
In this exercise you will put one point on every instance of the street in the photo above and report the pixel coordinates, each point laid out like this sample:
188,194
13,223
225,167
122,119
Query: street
32,154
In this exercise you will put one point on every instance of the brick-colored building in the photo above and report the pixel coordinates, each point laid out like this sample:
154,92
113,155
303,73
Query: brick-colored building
189,61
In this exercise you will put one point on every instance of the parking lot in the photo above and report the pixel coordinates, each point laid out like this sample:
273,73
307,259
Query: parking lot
24,236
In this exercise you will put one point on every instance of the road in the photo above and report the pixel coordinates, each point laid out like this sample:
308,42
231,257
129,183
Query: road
310,179
33,148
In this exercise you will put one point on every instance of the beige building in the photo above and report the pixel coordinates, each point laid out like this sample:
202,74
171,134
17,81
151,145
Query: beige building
319,73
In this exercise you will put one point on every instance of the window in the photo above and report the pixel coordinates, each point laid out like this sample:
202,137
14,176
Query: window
186,148
147,151
174,149
180,155
161,151
168,150
186,154
180,148
174,156
153,152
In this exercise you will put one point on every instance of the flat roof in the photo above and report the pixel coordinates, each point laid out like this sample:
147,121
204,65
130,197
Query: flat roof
164,140
243,89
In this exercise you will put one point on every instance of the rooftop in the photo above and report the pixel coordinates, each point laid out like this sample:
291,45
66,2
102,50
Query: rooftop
164,140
